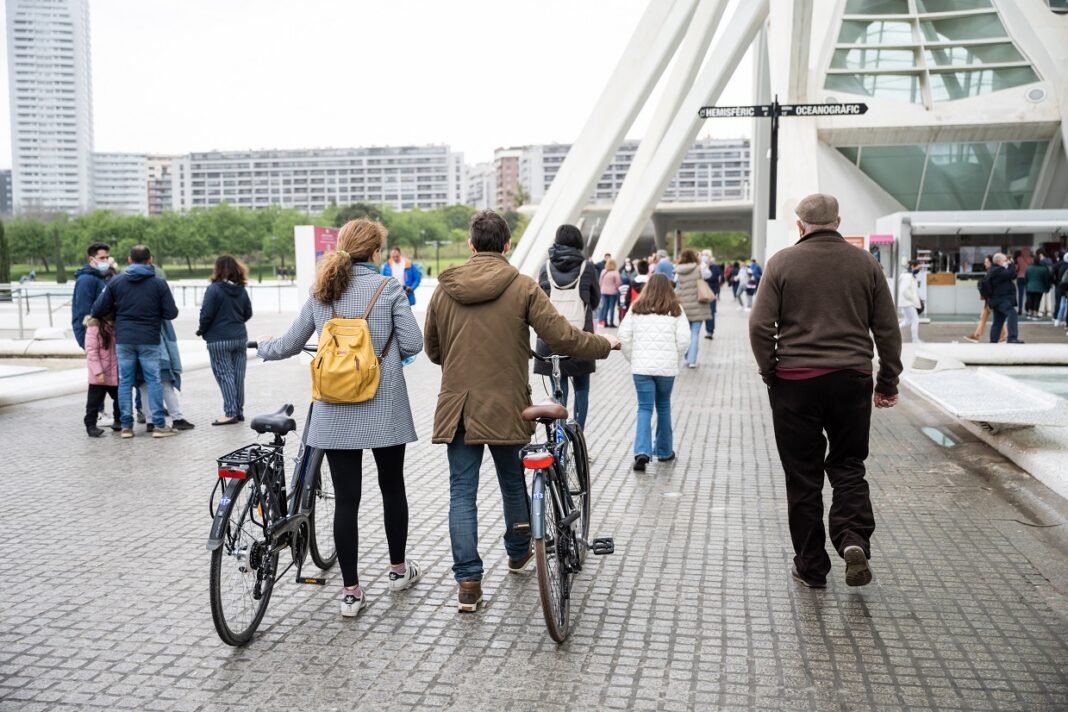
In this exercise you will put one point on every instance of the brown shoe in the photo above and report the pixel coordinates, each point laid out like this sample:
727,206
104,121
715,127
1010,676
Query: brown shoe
516,566
470,596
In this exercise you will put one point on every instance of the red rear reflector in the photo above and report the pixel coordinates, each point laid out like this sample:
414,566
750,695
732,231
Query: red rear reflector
233,473
538,462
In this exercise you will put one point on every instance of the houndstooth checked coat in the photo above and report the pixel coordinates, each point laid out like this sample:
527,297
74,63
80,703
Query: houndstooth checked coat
386,419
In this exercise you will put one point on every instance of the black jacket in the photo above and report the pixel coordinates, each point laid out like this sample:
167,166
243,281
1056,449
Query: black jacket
141,301
566,262
1001,284
224,312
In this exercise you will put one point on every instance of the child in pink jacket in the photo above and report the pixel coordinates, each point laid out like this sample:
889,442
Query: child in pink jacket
103,368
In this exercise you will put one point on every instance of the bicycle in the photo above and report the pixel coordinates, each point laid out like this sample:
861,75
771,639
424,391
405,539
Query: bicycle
252,525
559,529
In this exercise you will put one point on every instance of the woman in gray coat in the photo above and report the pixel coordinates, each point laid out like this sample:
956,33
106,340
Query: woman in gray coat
688,272
346,282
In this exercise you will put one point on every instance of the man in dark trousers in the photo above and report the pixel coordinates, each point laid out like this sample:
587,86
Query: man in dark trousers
141,301
1000,283
811,331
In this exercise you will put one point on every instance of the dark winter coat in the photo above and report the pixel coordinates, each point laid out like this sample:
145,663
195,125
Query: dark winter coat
141,302
88,284
566,262
1001,285
224,312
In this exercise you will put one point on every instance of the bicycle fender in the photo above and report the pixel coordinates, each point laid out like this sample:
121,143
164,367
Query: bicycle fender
222,515
537,506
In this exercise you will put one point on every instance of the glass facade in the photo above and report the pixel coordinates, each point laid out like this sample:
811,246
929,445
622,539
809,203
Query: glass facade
954,176
925,51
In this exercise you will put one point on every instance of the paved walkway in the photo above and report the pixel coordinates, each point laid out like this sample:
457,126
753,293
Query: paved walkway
103,579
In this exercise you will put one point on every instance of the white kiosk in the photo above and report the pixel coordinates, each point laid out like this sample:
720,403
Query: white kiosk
310,243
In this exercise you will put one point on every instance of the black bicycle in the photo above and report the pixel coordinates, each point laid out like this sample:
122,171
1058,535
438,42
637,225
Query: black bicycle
255,519
560,528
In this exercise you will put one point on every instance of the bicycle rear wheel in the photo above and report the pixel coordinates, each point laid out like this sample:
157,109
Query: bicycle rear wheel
321,520
576,473
242,570
553,579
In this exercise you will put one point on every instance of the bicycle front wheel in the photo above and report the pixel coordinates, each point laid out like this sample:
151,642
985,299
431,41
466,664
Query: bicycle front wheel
242,569
550,553
323,548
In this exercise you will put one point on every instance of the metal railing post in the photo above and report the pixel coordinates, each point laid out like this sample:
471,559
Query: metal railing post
20,312
48,299
278,288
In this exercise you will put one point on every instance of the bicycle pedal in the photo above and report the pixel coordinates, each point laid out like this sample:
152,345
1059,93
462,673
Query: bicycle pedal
311,580
603,546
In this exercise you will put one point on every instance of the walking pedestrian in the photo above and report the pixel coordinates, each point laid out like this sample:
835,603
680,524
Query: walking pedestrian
1022,259
89,282
568,277
610,283
1002,298
348,286
811,331
908,300
141,302
477,330
1039,280
715,282
1061,290
404,271
652,338
984,315
663,265
223,315
102,366
688,273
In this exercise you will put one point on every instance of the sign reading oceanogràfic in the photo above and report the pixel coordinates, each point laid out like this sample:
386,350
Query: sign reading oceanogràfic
823,109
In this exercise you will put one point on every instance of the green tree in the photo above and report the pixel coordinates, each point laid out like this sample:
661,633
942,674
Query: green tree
378,213
30,241
724,245
57,245
520,196
5,258
457,217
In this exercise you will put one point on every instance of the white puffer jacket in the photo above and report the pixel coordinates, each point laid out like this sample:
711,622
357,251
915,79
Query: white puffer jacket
653,343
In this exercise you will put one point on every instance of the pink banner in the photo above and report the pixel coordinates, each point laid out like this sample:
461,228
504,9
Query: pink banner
325,241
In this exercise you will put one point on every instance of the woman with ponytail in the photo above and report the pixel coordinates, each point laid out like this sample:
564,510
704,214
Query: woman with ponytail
345,284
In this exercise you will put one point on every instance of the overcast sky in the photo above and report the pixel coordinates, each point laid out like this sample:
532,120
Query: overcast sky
174,76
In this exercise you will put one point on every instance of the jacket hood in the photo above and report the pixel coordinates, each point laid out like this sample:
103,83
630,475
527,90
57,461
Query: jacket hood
231,289
566,261
86,269
482,278
686,268
136,272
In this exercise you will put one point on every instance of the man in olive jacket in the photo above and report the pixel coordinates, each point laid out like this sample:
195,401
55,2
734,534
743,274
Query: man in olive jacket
478,330
820,303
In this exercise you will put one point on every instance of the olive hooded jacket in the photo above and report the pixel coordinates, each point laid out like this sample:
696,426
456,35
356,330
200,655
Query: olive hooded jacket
478,330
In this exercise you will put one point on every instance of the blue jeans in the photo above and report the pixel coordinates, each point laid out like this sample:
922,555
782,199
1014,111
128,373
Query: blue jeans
710,324
654,391
582,397
464,463
695,341
130,355
609,302
1062,308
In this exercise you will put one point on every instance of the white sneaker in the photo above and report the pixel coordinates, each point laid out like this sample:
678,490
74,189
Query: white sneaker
691,365
351,605
412,573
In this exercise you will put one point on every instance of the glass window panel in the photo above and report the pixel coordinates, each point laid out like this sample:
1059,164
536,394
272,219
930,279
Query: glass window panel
957,174
897,169
948,86
1015,175
875,32
981,54
877,7
873,59
950,5
897,87
850,152
971,27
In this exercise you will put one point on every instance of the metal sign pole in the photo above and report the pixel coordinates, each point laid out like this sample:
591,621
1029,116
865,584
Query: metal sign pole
773,175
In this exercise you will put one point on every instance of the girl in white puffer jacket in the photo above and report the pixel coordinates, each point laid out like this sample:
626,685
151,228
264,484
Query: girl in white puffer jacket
654,335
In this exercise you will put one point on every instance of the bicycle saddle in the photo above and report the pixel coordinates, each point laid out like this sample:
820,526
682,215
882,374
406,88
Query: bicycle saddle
549,411
279,422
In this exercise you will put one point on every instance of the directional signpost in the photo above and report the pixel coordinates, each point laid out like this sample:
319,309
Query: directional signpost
773,111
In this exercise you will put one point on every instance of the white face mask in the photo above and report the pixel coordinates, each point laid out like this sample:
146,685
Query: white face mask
102,266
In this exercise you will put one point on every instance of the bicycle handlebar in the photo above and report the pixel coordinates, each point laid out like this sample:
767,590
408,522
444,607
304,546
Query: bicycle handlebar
549,358
307,348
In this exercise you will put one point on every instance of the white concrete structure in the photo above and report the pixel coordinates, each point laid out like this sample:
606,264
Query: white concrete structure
401,177
120,183
51,103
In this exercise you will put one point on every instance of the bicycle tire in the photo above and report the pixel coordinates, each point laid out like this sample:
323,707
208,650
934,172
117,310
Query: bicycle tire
553,579
224,561
321,517
577,476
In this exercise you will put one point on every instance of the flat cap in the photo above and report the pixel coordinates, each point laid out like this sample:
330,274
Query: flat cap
818,209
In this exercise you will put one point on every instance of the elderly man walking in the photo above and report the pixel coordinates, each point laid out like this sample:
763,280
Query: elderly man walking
478,330
811,331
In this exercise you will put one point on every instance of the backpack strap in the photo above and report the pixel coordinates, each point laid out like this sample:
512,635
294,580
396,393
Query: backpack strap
367,313
549,273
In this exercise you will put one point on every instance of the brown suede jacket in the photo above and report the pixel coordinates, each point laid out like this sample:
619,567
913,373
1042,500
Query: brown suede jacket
819,305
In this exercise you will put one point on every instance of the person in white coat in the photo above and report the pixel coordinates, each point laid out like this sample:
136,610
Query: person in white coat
908,300
654,335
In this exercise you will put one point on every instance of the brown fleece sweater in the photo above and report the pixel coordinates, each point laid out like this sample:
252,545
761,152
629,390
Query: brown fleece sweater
819,305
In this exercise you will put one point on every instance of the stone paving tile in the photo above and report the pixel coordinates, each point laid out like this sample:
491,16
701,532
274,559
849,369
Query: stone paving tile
104,605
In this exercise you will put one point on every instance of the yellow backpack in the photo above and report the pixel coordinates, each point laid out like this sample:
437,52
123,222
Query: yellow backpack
345,368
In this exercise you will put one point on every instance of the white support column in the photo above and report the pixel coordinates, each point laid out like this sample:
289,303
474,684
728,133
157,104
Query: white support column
759,147
685,125
641,66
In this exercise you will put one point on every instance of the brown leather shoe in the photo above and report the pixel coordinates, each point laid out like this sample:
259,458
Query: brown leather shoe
470,596
516,566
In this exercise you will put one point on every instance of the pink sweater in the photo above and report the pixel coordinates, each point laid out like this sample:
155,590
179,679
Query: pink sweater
610,282
101,361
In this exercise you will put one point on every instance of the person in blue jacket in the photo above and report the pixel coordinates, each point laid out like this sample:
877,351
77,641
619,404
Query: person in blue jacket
223,314
88,284
404,271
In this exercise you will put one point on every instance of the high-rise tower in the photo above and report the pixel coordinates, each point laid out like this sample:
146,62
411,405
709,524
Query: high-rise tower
51,99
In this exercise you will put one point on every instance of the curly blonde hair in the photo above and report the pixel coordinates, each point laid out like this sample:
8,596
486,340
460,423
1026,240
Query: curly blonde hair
357,241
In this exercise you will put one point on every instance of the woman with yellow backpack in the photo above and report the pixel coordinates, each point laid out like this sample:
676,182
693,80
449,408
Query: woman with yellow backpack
366,328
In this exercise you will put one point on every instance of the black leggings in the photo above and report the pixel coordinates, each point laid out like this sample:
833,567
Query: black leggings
1034,300
346,471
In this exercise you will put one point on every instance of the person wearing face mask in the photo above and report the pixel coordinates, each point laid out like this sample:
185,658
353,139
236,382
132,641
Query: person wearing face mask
88,284
908,300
